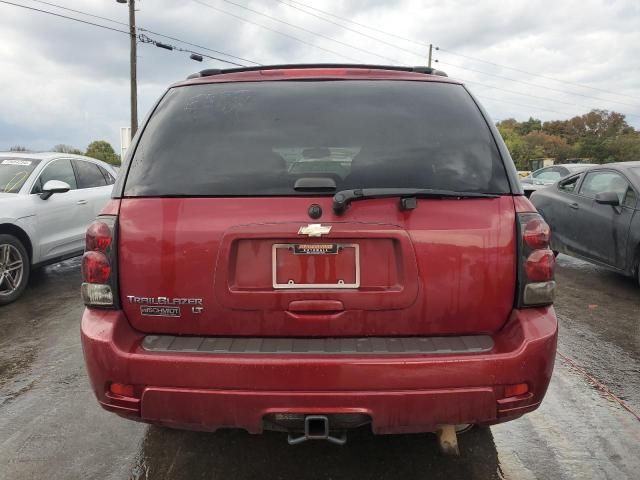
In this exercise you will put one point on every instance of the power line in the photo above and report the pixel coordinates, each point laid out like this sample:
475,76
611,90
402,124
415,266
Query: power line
538,86
566,82
292,25
237,64
142,38
397,47
297,39
146,30
531,107
146,39
412,52
458,66
514,92
350,29
199,46
356,23
546,99
119,31
289,4
64,16
80,12
423,44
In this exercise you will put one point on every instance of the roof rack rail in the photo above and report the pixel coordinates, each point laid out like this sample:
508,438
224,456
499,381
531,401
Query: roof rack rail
217,71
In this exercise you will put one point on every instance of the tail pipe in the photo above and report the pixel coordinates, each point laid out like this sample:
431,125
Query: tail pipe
448,440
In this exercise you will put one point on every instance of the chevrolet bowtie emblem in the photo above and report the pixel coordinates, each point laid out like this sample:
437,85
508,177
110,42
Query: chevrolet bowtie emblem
314,230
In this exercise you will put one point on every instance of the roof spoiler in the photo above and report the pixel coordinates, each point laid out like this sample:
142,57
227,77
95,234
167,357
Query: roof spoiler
218,71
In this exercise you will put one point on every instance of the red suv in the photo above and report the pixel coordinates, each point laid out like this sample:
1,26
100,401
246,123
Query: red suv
315,248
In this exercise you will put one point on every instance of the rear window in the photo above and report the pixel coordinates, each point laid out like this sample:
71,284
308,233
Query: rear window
257,139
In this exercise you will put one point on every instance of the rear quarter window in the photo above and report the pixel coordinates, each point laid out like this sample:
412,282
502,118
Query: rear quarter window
110,179
257,139
89,175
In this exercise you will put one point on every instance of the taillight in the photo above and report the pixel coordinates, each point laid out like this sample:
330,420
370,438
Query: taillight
536,233
95,267
536,286
98,237
99,278
539,266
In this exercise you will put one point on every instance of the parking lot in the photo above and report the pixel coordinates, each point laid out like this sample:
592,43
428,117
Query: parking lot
51,426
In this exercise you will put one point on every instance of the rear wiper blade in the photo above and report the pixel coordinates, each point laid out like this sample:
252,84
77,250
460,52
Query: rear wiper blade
342,199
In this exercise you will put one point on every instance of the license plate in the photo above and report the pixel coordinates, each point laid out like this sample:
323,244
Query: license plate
316,265
316,249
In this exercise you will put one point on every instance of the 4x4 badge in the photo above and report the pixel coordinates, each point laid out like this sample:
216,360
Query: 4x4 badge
314,230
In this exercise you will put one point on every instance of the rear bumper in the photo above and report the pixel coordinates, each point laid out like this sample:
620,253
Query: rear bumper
404,393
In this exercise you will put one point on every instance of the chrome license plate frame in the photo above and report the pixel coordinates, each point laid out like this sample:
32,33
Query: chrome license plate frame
333,286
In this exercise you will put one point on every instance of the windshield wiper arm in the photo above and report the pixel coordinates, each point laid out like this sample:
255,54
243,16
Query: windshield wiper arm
342,199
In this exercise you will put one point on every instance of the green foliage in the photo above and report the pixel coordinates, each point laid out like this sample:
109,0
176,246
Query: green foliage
545,145
599,136
515,143
18,148
531,125
624,148
103,150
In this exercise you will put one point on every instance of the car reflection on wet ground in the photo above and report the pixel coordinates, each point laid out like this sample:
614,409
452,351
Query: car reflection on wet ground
51,426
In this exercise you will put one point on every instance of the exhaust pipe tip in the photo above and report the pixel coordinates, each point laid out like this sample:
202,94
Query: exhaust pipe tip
448,440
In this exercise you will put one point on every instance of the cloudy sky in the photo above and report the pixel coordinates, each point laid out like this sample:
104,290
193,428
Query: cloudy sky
66,82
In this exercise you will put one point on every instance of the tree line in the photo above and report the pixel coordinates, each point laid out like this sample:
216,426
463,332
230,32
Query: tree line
599,136
99,149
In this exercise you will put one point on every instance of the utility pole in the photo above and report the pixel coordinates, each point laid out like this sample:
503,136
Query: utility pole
134,67
430,52
133,60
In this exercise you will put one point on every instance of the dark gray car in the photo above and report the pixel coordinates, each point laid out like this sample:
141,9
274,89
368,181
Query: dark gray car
595,215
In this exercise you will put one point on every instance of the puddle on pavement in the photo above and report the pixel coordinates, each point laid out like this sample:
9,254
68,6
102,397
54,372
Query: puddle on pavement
14,362
25,323
15,390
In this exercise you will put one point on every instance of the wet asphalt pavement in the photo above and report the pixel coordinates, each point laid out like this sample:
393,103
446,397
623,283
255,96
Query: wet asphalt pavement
51,426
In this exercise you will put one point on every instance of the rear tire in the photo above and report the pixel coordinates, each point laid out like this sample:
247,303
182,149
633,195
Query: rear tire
14,269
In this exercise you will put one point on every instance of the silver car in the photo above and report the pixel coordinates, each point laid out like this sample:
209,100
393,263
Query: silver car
47,201
549,175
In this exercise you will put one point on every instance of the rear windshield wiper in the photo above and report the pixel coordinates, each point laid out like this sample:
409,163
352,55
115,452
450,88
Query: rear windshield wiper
342,199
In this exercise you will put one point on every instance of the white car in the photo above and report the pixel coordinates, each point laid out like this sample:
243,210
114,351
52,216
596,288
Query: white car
47,201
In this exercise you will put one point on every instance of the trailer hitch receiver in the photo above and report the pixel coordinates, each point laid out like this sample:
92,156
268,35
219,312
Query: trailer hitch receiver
316,427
